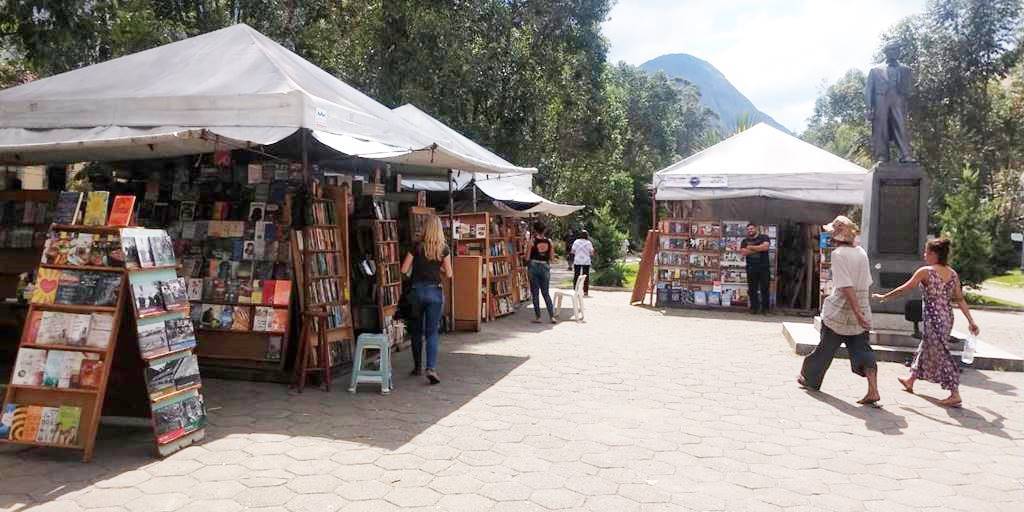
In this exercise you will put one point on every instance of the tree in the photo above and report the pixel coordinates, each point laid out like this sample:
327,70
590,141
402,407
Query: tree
966,220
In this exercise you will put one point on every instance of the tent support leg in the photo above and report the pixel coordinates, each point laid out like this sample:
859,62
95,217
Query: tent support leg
451,246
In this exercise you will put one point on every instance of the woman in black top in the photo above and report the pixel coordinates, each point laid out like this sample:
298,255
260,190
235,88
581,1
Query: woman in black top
429,262
540,271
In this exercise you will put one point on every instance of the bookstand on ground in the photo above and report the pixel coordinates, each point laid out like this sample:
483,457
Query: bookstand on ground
88,400
322,273
177,413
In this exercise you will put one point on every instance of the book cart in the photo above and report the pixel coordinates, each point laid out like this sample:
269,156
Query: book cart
321,248
699,264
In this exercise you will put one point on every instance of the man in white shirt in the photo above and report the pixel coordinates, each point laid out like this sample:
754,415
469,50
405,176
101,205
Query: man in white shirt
846,314
582,251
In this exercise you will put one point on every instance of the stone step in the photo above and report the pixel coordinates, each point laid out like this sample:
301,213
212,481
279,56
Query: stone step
804,339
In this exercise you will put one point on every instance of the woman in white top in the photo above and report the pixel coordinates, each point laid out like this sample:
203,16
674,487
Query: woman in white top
582,251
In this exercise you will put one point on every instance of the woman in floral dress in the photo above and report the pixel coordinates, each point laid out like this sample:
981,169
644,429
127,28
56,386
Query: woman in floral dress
941,287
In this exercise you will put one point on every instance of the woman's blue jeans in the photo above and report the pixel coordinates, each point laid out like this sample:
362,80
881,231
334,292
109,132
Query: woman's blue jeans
426,326
540,280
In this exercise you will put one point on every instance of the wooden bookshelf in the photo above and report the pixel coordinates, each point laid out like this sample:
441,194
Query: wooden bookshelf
467,241
89,400
322,273
19,258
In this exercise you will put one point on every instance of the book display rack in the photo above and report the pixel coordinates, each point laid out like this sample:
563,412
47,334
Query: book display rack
389,275
59,381
166,340
470,236
699,263
502,268
233,229
323,276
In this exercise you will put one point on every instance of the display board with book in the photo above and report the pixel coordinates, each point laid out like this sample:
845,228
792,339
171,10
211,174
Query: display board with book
323,276
233,229
166,339
66,350
699,263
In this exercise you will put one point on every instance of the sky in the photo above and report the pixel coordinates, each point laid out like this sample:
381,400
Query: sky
780,54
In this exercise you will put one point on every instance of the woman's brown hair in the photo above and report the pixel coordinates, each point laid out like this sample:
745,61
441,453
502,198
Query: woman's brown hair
940,248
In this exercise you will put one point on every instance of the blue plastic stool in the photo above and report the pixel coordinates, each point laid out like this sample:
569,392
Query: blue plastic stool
383,375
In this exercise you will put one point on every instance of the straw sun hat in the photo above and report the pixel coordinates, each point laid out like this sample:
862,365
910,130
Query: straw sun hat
842,228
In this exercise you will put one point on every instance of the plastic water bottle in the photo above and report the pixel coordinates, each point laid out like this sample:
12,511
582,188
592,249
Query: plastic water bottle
970,345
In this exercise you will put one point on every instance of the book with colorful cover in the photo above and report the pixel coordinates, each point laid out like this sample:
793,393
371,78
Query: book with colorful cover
90,374
47,282
29,367
53,368
282,293
69,419
96,208
194,289
31,332
121,211
278,320
69,204
28,427
241,318
169,420
7,420
47,432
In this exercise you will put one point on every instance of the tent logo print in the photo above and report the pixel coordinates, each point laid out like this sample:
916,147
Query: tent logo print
695,181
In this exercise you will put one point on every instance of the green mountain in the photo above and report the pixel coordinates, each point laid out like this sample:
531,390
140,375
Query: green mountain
716,92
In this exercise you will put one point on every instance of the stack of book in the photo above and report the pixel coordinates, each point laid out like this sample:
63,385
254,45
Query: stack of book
41,424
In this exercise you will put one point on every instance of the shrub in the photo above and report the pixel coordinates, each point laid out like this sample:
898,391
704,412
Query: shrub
613,275
966,221
607,238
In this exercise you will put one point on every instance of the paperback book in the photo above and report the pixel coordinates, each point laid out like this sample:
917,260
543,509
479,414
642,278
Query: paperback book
29,367
121,211
69,204
96,208
152,340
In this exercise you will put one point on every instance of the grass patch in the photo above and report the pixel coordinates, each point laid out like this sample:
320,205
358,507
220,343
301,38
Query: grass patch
1014,278
977,299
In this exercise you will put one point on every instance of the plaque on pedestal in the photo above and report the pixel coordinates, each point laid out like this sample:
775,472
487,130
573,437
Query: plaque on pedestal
895,228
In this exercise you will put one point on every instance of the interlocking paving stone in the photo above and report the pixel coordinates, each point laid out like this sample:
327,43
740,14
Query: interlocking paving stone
571,417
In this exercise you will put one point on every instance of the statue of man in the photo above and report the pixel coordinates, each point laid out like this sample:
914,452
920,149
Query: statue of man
885,93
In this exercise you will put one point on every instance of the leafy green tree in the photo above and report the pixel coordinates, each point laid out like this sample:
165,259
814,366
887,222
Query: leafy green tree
965,220
607,238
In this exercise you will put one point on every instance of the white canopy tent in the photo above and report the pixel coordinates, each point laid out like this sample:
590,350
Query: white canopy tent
763,162
233,87
512,187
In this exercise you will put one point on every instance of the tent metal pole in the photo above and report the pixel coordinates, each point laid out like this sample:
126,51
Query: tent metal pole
474,196
451,249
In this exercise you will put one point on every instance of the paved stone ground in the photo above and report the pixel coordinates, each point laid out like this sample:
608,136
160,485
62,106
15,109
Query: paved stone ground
634,410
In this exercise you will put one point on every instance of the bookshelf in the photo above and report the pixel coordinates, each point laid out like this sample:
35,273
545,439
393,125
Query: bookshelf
471,237
45,377
699,264
467,294
323,276
826,287
389,275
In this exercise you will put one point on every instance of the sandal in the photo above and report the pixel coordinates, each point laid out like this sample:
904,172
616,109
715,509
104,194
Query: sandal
908,389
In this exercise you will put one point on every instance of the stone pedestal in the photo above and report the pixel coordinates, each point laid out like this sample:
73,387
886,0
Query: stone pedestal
894,228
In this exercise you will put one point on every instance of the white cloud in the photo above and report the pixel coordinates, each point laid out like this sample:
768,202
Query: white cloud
776,52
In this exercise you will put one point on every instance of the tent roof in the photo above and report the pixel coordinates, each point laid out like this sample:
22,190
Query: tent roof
512,188
234,83
764,161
